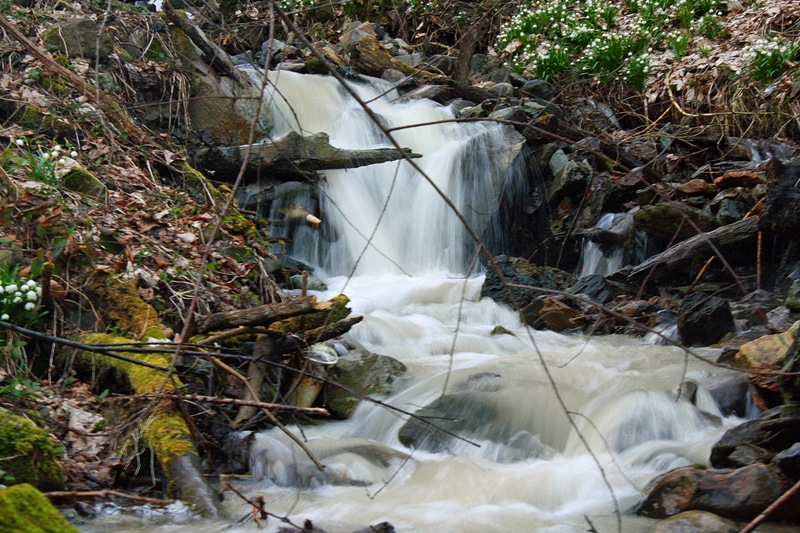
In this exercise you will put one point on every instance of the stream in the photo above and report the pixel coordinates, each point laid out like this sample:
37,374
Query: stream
516,463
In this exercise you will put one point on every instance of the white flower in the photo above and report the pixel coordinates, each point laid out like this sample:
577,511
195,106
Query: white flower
31,295
38,291
45,156
4,316
57,148
30,306
62,161
73,154
16,300
11,287
54,154
19,142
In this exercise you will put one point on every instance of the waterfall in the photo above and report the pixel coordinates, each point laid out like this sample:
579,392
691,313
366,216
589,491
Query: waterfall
616,243
409,227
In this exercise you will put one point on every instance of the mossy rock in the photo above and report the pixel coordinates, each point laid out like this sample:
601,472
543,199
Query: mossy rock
34,455
365,373
78,37
23,509
84,182
673,220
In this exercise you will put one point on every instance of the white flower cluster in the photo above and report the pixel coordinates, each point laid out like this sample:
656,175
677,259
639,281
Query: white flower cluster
765,48
14,298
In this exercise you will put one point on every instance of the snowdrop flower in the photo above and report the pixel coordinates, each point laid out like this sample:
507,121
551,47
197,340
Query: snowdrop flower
4,316
20,142
62,161
11,287
31,295
45,156
54,154
30,306
73,154
57,148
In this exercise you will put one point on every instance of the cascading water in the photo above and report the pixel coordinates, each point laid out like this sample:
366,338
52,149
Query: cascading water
617,244
512,461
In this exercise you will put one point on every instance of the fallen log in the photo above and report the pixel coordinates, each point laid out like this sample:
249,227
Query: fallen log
697,247
323,333
292,155
259,316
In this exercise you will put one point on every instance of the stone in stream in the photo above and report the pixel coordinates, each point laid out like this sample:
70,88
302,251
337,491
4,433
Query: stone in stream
704,319
520,272
767,353
730,391
738,494
696,522
757,440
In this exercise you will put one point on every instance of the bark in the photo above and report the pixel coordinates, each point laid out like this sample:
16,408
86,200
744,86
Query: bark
255,376
323,333
291,155
697,247
259,316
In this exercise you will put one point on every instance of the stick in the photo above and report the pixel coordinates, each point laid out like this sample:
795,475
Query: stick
259,316
106,493
772,508
225,401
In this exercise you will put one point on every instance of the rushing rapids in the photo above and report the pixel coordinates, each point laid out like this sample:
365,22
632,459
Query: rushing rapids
513,461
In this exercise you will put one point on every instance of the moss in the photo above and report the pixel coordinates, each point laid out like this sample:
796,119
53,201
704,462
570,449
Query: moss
23,509
314,320
84,182
34,456
169,437
125,307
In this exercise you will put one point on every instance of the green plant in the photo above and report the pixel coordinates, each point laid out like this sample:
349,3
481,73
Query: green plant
678,41
43,162
709,26
768,58
19,297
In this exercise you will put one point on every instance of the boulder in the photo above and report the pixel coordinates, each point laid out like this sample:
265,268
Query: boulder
789,461
730,390
671,220
757,440
84,182
595,287
704,319
30,455
555,315
362,372
25,509
368,56
521,272
569,177
696,522
739,494
538,89
78,37
767,353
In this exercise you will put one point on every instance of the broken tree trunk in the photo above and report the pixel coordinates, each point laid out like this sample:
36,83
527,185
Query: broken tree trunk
697,247
260,316
292,155
255,376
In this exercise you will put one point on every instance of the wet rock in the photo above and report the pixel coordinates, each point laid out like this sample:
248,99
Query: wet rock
486,68
696,187
792,300
730,390
569,177
782,215
510,114
414,59
502,90
779,319
594,116
520,272
789,382
595,287
767,353
696,522
704,319
757,440
737,178
789,461
538,89
365,373
671,220
739,494
556,315
369,57
355,32
78,37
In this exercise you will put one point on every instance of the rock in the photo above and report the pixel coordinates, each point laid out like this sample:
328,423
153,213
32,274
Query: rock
730,390
396,77
364,373
555,315
569,178
25,509
84,182
782,214
696,187
731,210
368,56
595,287
767,353
696,522
356,31
739,494
792,300
737,178
443,63
502,90
757,440
779,319
31,456
538,89
78,37
668,220
789,382
789,461
510,114
704,319
414,59
594,116
520,272
486,68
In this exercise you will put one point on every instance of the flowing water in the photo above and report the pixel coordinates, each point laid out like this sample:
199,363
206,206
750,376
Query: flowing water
516,464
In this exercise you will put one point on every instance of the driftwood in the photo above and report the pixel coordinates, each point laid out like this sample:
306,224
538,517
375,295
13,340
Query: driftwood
697,247
259,316
329,331
291,155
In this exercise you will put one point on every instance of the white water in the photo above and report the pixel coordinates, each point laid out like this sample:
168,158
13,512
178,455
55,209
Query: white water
525,468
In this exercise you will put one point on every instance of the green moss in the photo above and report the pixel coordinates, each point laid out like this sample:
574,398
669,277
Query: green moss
125,307
84,182
314,320
169,437
23,509
34,456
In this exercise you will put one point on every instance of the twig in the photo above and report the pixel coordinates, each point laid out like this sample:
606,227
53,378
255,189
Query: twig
106,494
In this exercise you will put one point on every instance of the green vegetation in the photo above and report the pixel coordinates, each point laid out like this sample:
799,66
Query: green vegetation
34,457
25,509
